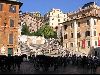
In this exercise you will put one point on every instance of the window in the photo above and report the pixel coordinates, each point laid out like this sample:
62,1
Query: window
95,43
94,33
58,20
88,22
78,24
87,33
1,6
71,44
5,23
10,38
65,27
94,22
11,23
83,15
56,27
52,23
66,45
10,51
53,19
88,43
71,35
64,16
12,9
64,19
1,39
72,25
54,11
58,16
65,36
78,44
78,35
17,50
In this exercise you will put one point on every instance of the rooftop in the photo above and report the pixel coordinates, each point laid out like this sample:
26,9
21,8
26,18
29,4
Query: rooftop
12,1
88,4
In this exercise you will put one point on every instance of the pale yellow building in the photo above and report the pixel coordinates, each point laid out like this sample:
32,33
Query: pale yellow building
81,31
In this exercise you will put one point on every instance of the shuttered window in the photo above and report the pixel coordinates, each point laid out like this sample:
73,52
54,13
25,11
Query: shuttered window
10,38
88,43
94,33
11,23
88,22
71,44
95,43
71,35
1,6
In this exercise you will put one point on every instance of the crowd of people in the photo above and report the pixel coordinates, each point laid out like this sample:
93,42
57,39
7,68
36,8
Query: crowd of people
46,62
8,63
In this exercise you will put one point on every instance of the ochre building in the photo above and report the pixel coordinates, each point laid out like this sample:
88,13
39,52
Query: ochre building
9,14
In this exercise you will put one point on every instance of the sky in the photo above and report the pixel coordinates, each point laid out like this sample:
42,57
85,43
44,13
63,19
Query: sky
44,6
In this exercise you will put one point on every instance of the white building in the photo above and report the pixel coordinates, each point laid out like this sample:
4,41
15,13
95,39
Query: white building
54,17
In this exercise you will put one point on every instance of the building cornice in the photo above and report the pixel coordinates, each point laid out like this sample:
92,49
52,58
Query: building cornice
12,2
81,18
83,10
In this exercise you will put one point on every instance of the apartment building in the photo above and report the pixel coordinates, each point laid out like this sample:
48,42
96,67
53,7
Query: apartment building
33,20
54,17
9,15
81,31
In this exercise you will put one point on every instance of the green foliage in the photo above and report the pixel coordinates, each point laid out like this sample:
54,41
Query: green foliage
25,30
31,34
46,31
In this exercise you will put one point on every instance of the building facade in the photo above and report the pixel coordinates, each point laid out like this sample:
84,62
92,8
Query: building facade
33,20
9,15
81,32
54,17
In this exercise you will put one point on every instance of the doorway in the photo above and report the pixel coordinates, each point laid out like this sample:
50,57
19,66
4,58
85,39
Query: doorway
10,51
95,53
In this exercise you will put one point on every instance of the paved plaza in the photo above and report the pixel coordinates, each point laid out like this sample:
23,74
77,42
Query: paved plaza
27,68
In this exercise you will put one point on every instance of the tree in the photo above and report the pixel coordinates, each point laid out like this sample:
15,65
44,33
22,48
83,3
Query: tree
46,31
25,30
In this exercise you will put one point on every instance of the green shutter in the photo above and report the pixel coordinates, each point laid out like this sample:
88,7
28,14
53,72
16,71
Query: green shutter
10,51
